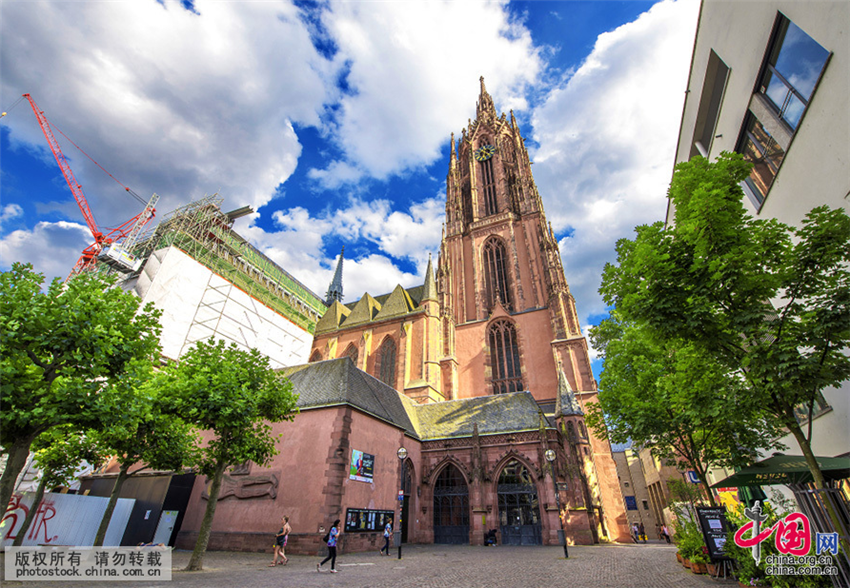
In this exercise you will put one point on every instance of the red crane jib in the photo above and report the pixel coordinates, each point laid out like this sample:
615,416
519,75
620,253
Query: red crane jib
90,253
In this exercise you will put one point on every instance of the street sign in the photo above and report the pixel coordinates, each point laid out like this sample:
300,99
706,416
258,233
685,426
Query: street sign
692,477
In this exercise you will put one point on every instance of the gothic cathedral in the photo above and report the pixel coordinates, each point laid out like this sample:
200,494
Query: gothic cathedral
495,319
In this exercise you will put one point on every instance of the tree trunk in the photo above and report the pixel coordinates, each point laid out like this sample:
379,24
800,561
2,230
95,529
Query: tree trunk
196,563
703,478
25,526
18,453
817,475
110,506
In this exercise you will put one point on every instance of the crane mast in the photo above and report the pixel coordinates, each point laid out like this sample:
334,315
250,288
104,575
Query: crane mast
105,247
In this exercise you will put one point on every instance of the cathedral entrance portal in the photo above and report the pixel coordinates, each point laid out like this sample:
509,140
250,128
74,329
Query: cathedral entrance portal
451,508
519,510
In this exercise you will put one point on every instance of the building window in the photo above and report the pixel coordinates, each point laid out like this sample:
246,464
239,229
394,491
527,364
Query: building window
487,177
795,63
793,69
759,147
716,74
352,352
385,367
504,358
645,504
496,273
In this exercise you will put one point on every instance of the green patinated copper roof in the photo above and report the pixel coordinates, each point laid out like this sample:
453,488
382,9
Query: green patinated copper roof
399,303
331,319
338,382
502,413
364,311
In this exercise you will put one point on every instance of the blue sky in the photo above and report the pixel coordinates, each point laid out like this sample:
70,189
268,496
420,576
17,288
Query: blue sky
333,120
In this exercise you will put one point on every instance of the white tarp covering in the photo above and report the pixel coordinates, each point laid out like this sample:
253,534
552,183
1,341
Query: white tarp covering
198,304
65,519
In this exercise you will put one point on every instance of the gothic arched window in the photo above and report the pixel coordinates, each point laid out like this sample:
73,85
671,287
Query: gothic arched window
490,204
352,353
504,358
496,273
385,364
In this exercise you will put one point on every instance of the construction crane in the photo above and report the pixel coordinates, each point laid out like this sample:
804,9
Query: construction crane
113,247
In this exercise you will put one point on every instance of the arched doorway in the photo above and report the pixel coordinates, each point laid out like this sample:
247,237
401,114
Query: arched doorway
519,509
451,508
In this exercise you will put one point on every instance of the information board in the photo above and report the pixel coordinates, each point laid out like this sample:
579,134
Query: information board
712,522
365,520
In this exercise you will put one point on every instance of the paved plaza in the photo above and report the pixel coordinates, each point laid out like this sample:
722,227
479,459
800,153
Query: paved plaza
439,566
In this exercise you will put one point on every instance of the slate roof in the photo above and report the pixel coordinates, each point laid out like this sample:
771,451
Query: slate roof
337,382
501,413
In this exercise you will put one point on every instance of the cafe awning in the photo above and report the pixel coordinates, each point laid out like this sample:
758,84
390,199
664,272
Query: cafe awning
786,469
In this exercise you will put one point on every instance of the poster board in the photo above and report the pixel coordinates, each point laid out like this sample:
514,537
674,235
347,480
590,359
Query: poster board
714,527
362,466
364,520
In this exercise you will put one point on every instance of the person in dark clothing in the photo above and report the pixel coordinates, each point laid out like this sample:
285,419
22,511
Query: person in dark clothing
333,536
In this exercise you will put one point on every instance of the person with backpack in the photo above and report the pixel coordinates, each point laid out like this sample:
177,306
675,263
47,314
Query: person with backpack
331,538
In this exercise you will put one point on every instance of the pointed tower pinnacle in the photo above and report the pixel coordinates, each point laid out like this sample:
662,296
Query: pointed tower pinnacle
566,403
335,289
429,291
485,103
453,157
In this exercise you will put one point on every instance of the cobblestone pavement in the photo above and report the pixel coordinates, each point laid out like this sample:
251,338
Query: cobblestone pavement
437,566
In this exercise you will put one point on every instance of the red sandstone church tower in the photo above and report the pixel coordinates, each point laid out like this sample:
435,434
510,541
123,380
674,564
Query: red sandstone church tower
498,317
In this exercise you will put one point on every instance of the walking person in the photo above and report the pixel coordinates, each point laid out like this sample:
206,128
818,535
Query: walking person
280,543
636,532
642,532
333,536
666,532
388,532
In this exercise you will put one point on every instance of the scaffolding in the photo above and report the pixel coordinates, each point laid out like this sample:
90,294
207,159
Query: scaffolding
202,231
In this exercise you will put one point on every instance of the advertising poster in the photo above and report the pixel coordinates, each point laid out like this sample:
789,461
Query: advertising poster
362,466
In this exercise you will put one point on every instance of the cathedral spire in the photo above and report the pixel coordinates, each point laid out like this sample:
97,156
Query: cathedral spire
429,291
565,402
485,103
335,289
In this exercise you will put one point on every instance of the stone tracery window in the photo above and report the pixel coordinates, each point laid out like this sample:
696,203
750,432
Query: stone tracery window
504,358
496,273
352,352
386,362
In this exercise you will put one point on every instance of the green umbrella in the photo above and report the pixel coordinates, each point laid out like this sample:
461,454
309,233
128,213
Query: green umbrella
786,469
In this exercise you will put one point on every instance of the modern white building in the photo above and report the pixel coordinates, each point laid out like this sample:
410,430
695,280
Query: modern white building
771,80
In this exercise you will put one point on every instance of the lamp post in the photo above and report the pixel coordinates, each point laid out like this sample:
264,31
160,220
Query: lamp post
562,538
402,454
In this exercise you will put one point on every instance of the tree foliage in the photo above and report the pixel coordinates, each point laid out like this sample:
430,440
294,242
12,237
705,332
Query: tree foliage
675,399
140,427
768,301
58,454
233,395
59,350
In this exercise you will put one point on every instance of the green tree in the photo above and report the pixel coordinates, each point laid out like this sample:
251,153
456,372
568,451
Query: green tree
58,453
769,301
58,350
675,399
233,395
142,430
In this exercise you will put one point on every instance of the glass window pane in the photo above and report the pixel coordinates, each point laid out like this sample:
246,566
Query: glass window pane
800,59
